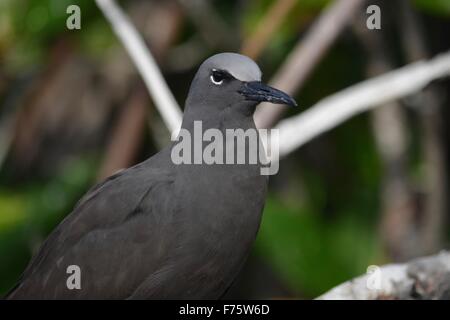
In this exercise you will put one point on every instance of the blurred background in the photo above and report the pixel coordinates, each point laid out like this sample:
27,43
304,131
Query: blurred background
73,110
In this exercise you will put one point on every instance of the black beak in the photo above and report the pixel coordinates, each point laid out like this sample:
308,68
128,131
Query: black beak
257,91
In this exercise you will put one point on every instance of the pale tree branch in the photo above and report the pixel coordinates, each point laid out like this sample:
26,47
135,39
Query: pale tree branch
145,63
421,279
328,113
160,24
269,24
335,109
297,67
209,23
389,122
433,220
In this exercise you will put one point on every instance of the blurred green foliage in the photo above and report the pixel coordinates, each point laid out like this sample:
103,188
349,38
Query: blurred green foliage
312,254
439,7
30,212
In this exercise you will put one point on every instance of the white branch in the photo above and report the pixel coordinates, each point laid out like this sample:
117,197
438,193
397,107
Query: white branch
423,278
306,55
335,109
297,130
145,63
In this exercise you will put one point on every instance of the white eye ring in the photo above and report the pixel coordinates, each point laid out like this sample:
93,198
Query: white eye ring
217,83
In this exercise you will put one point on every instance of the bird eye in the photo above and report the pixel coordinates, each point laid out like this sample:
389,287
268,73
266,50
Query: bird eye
217,77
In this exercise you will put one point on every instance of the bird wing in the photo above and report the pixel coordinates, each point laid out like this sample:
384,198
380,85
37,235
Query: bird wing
116,235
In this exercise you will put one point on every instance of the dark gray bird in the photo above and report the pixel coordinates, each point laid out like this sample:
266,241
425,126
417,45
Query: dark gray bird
160,230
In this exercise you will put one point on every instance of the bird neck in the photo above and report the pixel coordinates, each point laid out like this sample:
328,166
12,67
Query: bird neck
233,117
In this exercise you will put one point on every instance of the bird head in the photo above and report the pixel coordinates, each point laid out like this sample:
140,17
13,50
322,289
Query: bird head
231,80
